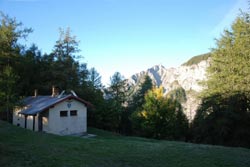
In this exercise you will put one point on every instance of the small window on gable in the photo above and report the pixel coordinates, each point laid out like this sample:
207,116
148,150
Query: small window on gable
73,112
63,113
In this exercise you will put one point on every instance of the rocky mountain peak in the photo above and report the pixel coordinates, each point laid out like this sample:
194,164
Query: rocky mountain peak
186,76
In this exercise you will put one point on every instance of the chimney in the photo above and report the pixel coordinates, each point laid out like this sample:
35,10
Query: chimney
54,91
35,93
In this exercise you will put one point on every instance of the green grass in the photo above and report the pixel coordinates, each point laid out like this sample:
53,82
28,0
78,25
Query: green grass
21,147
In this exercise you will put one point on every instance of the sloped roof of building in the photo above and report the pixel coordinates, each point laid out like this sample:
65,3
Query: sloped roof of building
34,105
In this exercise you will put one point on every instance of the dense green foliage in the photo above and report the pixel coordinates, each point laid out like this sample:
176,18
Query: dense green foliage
138,99
112,113
223,117
197,59
21,147
161,117
229,72
178,94
117,96
9,54
223,121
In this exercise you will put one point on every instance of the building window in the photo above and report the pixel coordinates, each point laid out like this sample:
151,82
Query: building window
73,112
63,113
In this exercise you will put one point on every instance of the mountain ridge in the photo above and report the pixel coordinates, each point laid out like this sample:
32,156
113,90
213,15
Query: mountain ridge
185,76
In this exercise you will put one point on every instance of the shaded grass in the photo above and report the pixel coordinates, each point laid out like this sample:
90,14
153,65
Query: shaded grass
20,147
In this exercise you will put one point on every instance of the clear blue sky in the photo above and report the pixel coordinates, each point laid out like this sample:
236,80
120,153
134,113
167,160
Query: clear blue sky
128,35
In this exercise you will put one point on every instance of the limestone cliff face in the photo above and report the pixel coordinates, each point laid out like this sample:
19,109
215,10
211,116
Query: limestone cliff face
187,77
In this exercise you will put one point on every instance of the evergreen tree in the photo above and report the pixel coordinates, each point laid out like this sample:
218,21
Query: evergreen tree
66,46
95,79
92,90
29,69
64,67
136,104
10,32
116,95
117,89
138,99
223,116
178,94
8,96
229,72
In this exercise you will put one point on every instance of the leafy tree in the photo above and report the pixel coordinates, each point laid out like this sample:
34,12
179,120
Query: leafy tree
161,117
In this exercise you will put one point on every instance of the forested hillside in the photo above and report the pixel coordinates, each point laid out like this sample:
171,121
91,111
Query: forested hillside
197,59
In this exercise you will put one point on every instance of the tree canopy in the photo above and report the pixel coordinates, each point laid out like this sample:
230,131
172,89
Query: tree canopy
160,117
10,32
229,72
223,116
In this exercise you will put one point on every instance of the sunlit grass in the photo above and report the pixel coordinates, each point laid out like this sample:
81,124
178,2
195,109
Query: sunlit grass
20,147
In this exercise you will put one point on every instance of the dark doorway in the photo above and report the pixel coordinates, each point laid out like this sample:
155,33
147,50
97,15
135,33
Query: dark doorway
40,123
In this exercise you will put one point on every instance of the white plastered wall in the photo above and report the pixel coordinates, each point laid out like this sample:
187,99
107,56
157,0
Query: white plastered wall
18,119
66,125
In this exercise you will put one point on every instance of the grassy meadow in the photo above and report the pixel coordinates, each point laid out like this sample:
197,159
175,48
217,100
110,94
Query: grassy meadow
21,147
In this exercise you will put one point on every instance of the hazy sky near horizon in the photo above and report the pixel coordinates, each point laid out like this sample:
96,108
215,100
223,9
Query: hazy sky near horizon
128,35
